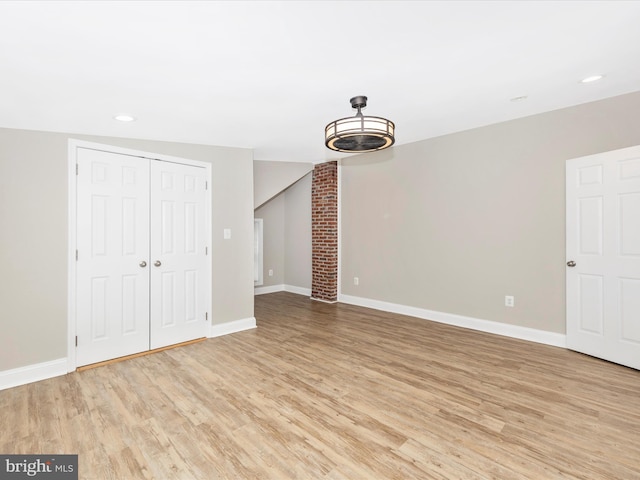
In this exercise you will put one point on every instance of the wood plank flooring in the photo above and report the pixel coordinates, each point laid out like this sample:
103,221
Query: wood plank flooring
337,392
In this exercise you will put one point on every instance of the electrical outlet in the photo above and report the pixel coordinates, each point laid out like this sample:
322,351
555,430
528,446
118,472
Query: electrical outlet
356,281
509,301
271,273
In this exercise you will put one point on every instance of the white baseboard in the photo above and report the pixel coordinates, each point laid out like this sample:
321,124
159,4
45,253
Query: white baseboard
324,301
282,288
232,327
269,289
32,373
488,326
299,290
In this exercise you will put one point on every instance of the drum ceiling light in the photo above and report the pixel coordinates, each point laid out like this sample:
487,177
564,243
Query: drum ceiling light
360,133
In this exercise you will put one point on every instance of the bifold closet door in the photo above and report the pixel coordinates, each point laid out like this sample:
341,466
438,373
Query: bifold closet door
112,238
178,253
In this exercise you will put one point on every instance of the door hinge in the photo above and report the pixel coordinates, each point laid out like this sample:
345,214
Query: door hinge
206,316
76,169
76,340
76,255
206,250
206,185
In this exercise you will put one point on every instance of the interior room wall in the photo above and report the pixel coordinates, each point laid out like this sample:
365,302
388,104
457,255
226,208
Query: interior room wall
272,214
272,177
297,235
34,236
287,237
453,224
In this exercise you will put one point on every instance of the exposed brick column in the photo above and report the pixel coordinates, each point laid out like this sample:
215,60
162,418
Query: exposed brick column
324,232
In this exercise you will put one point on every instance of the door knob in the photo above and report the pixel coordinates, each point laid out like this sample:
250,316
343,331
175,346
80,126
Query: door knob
571,263
143,264
157,263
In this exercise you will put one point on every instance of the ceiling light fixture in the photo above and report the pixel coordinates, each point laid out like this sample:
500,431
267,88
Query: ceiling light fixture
124,118
592,78
360,133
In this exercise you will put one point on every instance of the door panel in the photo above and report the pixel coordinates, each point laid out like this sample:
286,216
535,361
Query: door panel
178,283
629,308
629,219
603,238
590,226
112,309
591,304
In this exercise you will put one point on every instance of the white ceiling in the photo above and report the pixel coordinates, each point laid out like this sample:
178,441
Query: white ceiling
269,75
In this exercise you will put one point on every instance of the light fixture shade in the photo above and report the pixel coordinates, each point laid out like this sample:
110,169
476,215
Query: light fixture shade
360,133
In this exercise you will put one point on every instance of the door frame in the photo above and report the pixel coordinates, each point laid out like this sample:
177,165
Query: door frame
73,145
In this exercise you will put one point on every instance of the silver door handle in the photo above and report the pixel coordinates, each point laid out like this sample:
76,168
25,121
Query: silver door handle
143,264
157,263
571,263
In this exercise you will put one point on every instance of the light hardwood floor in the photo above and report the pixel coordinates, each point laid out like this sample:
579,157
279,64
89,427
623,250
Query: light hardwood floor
323,391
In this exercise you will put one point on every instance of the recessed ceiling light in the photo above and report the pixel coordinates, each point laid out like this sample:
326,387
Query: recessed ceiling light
124,118
592,78
519,99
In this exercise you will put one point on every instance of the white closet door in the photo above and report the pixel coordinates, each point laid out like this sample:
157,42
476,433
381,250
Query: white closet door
178,257
112,238
603,255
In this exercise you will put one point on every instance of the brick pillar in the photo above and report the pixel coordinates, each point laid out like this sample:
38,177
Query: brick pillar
324,232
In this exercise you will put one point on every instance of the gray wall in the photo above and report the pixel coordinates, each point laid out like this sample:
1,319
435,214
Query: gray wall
272,214
34,236
287,236
297,236
455,223
271,177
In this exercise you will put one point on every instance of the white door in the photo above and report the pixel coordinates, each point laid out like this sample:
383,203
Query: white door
112,311
178,253
603,255
141,270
